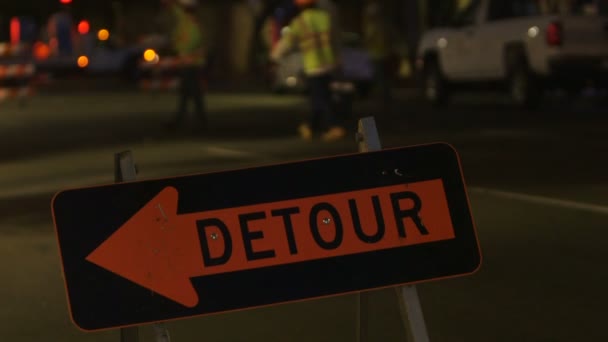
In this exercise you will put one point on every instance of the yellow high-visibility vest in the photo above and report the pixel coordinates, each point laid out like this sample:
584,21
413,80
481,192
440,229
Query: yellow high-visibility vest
312,30
377,38
462,4
187,38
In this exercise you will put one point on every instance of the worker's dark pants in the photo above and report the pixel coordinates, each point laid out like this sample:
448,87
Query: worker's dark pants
322,116
382,80
190,89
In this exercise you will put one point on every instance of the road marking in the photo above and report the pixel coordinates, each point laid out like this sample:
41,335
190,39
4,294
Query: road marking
594,208
506,133
44,175
228,152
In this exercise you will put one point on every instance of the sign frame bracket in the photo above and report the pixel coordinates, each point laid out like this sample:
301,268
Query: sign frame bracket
125,170
412,315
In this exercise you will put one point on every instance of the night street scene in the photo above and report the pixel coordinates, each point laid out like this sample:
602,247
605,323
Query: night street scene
303,170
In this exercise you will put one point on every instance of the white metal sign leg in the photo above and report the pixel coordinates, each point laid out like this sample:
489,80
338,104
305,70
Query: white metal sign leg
369,141
161,332
125,170
415,317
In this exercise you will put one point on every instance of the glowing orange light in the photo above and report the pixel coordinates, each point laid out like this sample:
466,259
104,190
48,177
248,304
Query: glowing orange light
41,51
83,27
83,61
150,56
103,34
65,2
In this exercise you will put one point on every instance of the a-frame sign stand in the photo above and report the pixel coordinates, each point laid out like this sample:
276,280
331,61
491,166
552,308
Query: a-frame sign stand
126,171
409,302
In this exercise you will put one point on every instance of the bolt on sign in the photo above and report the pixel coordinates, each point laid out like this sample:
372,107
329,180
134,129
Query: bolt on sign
158,250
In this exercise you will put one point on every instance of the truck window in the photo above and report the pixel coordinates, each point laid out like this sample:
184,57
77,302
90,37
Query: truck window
468,16
589,7
513,9
575,7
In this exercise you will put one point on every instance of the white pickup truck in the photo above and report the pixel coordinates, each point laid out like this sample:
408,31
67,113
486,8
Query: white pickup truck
524,46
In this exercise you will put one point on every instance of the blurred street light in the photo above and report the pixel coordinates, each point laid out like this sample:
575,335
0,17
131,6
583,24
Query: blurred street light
41,51
83,61
533,31
15,28
151,56
103,34
83,27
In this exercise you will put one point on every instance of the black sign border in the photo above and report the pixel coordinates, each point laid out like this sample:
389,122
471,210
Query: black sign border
99,299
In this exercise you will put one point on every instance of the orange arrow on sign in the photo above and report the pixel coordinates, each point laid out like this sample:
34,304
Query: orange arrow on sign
161,250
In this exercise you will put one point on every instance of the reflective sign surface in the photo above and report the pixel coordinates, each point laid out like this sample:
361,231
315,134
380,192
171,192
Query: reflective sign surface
164,249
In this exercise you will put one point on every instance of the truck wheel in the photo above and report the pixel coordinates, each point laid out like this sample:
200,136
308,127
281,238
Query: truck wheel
434,85
523,87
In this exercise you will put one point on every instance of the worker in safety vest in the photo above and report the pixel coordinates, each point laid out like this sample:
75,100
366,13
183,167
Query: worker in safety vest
311,30
378,40
187,41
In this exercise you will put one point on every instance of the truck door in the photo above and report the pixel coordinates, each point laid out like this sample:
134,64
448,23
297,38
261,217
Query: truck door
508,22
460,48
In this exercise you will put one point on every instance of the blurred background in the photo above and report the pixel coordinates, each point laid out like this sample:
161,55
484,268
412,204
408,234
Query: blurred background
78,40
518,87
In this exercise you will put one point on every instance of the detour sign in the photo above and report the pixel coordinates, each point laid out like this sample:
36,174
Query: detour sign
203,244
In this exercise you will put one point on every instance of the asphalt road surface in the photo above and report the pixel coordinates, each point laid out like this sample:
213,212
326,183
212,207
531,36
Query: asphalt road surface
537,182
